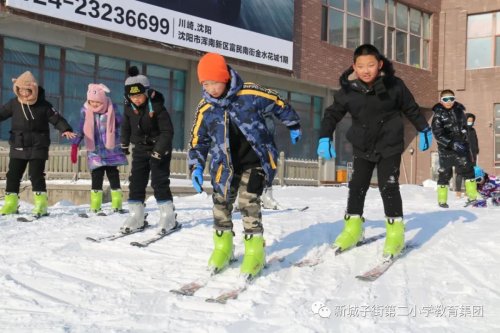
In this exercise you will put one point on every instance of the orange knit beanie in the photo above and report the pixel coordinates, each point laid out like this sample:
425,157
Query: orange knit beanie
213,67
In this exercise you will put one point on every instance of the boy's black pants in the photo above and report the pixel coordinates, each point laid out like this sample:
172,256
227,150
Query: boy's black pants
388,184
142,165
98,177
463,166
35,172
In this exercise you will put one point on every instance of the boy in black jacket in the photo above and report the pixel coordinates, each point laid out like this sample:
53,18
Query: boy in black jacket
449,129
474,149
29,141
147,124
375,98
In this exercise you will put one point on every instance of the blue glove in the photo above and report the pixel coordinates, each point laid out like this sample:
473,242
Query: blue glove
325,149
425,139
295,135
197,178
478,172
459,148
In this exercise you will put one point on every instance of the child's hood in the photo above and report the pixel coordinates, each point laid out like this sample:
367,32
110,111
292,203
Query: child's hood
26,81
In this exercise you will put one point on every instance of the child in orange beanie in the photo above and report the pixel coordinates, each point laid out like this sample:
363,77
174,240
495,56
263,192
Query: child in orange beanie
230,125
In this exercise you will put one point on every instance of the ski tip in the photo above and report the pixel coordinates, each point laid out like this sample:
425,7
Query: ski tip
366,278
138,244
92,239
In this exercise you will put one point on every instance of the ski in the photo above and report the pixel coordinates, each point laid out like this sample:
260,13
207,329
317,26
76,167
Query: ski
119,234
31,218
310,262
229,294
288,209
86,215
377,271
157,237
244,283
190,288
102,213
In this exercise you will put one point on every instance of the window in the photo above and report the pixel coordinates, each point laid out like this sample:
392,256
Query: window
400,32
483,38
497,133
65,75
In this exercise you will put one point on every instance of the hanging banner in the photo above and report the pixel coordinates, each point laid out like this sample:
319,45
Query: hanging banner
238,29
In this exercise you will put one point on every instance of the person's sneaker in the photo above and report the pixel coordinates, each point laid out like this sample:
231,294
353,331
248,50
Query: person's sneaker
444,205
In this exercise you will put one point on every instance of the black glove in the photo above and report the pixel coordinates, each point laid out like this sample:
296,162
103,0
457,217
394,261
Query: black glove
459,147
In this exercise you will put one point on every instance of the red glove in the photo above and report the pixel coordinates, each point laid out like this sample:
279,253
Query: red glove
74,153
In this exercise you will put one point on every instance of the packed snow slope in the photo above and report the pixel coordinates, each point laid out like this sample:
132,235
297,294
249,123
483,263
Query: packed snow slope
54,280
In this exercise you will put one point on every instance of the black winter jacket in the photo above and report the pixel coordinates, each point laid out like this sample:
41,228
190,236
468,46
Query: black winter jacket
377,124
448,125
472,136
154,133
30,132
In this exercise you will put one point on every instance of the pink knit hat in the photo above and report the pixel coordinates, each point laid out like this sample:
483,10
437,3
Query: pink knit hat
97,92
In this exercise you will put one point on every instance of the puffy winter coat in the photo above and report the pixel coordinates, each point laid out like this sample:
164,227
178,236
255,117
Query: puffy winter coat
101,156
245,105
30,132
448,125
472,135
152,133
377,124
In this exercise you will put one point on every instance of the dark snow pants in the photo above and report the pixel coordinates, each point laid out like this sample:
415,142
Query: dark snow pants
35,172
142,165
388,184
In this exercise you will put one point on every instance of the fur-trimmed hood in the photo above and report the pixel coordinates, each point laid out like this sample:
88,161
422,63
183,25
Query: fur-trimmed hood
349,80
26,81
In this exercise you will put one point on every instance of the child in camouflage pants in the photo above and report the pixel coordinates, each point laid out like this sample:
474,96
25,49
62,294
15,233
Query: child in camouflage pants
230,125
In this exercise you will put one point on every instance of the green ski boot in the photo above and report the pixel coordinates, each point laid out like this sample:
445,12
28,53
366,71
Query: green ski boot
442,196
95,201
395,237
40,201
471,189
116,200
223,250
351,234
255,256
11,204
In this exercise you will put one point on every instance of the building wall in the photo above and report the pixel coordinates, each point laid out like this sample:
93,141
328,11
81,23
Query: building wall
477,89
320,62
317,64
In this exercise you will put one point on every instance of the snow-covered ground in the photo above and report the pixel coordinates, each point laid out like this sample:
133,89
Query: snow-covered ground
54,280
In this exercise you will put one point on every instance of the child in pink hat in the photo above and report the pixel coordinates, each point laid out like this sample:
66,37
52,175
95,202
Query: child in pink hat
99,127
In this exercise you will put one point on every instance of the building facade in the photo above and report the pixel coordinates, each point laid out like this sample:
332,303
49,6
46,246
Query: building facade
66,53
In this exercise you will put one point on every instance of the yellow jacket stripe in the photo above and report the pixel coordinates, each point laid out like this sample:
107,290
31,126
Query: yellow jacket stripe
197,123
263,94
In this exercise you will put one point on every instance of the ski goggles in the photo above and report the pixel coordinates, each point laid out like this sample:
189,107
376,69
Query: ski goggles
448,99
